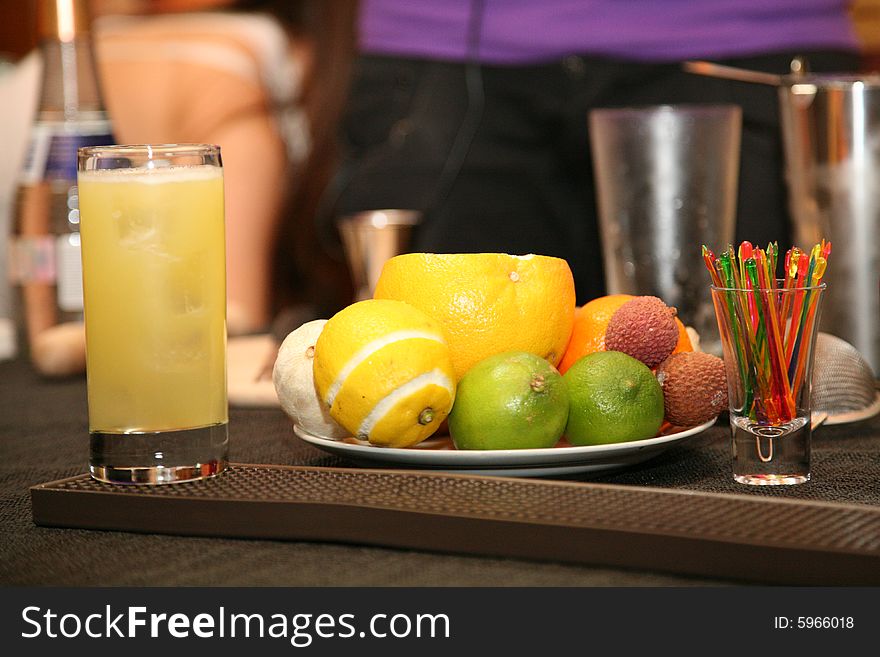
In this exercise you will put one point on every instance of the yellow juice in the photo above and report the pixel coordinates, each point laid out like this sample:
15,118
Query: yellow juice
154,274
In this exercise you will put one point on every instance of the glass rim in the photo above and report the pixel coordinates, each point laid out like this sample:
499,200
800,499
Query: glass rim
781,288
149,150
668,108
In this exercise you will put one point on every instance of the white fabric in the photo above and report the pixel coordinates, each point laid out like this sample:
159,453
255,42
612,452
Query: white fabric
273,67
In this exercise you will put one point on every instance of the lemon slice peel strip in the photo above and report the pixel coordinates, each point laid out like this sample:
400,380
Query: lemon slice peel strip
369,349
435,377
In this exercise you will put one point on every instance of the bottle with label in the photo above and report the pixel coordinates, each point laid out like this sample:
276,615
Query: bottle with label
44,255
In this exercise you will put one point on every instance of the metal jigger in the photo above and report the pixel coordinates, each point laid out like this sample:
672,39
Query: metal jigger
372,237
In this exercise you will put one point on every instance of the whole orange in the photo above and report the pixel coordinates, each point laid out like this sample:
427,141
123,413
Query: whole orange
590,322
684,340
487,303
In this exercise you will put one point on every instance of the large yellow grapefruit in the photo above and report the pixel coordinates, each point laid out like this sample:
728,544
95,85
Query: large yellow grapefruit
487,303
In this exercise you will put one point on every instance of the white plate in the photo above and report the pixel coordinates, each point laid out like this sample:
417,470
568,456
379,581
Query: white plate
439,454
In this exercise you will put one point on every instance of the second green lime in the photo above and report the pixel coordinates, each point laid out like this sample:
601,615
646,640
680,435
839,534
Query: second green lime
614,398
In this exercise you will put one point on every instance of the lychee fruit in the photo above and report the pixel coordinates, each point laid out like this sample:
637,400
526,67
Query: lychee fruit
694,388
644,328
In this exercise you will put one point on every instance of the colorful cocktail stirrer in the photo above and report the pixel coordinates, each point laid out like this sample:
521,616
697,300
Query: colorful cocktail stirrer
770,321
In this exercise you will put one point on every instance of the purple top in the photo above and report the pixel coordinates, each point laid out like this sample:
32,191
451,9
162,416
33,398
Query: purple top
522,31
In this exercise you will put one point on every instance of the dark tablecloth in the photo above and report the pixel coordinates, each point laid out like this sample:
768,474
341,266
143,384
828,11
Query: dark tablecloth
44,437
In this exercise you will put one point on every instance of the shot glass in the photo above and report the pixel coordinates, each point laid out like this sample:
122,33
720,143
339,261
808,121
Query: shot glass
666,176
371,238
768,338
154,288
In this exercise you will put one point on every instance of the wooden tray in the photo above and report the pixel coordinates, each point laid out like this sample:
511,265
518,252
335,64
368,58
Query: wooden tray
709,534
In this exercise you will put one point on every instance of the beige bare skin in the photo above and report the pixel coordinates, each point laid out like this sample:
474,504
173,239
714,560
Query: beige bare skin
172,101
175,100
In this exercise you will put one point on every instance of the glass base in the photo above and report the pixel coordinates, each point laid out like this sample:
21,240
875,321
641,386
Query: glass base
771,455
771,480
159,457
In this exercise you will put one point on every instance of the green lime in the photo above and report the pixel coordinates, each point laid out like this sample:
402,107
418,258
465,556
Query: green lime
614,398
513,400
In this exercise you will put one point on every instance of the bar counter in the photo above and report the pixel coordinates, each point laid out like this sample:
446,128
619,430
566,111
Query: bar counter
44,437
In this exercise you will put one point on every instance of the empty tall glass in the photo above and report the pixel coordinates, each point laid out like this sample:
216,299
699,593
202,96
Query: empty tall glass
666,180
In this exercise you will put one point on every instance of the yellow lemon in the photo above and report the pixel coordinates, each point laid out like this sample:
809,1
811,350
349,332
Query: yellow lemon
383,369
487,303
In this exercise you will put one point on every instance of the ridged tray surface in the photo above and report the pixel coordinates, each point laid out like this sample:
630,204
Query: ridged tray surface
712,534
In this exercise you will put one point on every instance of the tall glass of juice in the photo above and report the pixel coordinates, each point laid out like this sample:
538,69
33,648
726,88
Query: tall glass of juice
154,289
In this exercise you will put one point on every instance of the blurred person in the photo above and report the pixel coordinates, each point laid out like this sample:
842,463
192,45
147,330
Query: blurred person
475,111
263,79
248,75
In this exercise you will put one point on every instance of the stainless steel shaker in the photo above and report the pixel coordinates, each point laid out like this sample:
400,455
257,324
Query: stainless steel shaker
831,130
831,136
